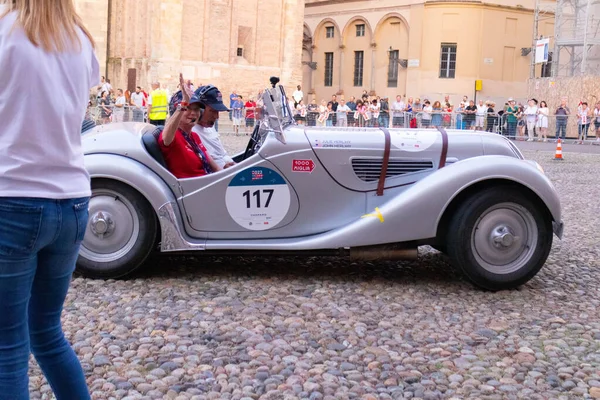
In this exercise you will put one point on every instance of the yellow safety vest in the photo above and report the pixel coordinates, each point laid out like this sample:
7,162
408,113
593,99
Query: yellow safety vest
159,105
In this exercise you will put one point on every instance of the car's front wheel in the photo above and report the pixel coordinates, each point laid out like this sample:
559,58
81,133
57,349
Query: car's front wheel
120,234
500,238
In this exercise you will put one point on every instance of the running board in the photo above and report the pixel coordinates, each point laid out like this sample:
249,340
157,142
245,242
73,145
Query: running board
172,241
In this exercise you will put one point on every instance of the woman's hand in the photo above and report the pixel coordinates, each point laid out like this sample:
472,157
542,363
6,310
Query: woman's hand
185,89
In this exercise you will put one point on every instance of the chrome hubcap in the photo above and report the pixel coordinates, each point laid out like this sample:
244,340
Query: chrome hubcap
113,227
102,224
504,238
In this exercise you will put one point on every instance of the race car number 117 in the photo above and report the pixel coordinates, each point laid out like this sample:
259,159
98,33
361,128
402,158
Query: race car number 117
258,198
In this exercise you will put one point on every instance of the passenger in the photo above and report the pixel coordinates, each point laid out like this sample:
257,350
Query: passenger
184,153
211,101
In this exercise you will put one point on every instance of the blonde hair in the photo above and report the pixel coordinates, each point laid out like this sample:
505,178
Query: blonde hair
49,24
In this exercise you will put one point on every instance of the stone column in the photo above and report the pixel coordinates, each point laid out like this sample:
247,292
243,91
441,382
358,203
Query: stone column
341,72
291,62
373,48
311,91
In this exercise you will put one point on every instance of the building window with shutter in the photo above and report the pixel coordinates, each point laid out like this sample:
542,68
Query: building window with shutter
393,68
329,31
240,52
358,68
448,60
328,69
360,30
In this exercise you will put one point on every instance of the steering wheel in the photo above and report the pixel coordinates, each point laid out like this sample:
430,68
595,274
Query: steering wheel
253,142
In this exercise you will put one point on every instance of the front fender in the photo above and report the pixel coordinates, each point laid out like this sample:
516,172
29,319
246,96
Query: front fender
416,213
132,173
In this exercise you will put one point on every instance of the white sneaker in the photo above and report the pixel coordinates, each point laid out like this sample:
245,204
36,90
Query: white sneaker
530,140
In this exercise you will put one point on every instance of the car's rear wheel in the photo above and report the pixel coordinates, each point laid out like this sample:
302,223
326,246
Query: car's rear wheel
500,238
120,234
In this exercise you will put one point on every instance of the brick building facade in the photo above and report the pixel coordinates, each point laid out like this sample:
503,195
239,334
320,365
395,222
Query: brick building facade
234,44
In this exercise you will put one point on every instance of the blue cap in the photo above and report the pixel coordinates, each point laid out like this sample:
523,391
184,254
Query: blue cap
174,101
209,96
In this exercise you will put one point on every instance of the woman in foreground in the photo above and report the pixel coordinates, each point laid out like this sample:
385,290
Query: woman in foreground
47,66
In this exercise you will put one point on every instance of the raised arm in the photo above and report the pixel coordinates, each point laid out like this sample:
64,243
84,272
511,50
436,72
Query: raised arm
173,121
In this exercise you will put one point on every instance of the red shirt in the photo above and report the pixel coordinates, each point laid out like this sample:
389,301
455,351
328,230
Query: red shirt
250,105
181,159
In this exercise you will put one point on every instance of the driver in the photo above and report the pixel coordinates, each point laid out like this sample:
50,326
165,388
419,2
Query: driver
184,153
212,100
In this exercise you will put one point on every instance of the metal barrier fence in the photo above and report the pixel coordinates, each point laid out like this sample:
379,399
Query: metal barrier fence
107,114
538,128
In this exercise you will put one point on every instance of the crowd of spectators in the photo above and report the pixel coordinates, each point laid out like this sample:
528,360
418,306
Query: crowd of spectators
530,121
533,121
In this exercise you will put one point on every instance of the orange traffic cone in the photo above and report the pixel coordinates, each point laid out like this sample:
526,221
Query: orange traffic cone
558,155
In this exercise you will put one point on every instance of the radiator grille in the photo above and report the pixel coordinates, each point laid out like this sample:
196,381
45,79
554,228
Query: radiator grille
369,169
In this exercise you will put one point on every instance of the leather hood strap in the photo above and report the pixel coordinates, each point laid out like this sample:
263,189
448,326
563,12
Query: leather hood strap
386,159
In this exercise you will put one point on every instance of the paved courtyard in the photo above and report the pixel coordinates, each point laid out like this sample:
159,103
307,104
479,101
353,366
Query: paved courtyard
323,328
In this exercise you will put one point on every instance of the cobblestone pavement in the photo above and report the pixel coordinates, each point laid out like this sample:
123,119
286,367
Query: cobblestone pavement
322,328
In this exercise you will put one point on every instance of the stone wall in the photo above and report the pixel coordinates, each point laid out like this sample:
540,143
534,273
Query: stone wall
161,38
574,89
95,17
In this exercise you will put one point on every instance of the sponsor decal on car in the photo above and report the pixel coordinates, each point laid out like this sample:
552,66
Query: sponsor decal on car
303,166
414,141
257,198
338,144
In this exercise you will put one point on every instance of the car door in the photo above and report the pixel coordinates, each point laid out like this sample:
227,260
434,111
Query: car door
250,196
266,196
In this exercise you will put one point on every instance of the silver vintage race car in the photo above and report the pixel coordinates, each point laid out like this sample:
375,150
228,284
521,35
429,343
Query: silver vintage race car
365,193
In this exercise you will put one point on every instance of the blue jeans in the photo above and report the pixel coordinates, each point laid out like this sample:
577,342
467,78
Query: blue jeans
138,115
512,128
39,243
561,126
384,120
582,131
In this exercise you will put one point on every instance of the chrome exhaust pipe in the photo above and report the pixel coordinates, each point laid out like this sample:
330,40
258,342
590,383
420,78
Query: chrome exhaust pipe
383,252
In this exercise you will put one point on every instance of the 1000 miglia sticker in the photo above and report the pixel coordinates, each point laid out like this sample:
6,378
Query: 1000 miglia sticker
258,198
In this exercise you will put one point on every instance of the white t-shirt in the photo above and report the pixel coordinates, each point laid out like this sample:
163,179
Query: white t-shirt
210,140
531,113
481,110
298,95
342,111
138,99
427,110
43,98
398,108
106,87
120,101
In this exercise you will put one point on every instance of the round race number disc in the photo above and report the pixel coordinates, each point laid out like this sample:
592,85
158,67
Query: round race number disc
258,198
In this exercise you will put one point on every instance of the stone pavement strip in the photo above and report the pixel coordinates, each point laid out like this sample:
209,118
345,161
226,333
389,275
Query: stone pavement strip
323,328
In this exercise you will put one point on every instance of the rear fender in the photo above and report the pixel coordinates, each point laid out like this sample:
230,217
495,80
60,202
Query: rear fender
160,195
